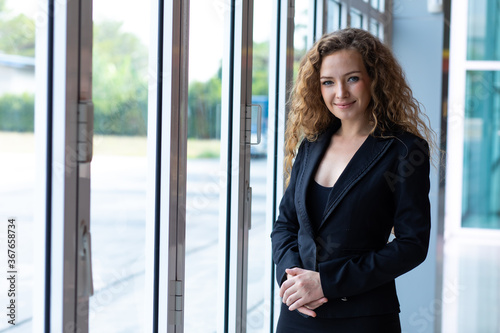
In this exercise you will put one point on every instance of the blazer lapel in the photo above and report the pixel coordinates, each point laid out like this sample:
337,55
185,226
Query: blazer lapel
363,160
314,154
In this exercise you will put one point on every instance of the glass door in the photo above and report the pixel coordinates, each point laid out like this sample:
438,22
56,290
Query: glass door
119,166
221,292
206,169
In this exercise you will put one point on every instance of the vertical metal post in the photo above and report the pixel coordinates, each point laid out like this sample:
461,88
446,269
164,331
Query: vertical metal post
280,79
167,154
65,190
237,81
84,150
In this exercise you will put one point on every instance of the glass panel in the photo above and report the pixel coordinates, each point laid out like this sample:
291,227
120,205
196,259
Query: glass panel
119,166
17,153
334,16
300,36
481,172
382,6
375,4
204,172
375,28
356,18
259,261
483,36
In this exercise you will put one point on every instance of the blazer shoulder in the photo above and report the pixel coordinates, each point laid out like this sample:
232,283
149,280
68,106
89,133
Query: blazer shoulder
406,142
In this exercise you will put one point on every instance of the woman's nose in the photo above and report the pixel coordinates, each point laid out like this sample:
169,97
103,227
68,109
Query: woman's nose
342,91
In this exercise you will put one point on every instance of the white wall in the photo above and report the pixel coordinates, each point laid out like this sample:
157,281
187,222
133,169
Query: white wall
418,45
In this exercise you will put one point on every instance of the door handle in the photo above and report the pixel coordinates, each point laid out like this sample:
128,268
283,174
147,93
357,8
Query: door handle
249,121
85,283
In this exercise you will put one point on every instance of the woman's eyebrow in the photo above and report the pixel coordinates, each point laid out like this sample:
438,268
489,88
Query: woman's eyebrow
346,74
352,72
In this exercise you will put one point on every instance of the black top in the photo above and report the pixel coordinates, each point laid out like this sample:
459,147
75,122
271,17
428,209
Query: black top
317,197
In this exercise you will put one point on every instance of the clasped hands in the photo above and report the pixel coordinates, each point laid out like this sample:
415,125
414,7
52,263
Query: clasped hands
302,291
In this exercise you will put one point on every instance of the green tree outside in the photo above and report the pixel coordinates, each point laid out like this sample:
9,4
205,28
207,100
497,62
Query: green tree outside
120,84
204,114
120,87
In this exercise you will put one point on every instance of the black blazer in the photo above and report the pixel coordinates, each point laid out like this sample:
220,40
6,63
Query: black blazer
385,184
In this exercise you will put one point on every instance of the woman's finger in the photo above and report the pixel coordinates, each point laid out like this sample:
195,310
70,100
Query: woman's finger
316,304
307,311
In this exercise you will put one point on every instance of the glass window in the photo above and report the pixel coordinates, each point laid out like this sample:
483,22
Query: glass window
356,18
481,172
376,4
119,165
334,16
375,28
205,170
17,153
300,36
483,36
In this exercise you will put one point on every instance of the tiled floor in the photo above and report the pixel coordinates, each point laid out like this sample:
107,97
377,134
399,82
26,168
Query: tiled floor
471,285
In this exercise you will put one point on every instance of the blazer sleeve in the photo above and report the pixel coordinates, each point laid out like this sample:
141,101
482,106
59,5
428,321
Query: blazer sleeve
285,230
410,187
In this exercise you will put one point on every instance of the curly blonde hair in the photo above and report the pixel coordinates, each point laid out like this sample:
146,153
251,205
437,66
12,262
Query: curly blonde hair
392,106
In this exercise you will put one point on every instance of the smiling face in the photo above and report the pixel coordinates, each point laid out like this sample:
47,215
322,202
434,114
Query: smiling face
345,85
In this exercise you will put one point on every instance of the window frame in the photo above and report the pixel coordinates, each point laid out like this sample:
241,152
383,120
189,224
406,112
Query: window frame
63,176
459,66
167,158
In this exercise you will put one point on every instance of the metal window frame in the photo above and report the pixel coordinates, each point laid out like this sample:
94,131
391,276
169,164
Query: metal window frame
167,158
280,80
63,60
237,74
224,249
43,149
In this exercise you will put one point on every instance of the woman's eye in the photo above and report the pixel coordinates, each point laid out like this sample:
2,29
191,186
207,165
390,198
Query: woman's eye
327,83
353,79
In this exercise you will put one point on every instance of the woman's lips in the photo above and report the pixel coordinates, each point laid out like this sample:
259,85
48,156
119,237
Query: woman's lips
344,105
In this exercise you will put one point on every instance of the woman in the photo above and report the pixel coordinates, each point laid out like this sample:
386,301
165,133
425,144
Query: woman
362,170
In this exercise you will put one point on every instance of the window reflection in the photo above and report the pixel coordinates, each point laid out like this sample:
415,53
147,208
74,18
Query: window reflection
483,35
481,175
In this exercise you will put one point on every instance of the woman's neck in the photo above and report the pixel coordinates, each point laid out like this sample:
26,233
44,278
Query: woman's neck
349,129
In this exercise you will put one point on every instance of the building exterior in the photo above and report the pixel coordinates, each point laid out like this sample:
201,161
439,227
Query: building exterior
17,73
